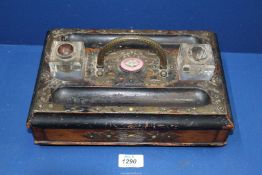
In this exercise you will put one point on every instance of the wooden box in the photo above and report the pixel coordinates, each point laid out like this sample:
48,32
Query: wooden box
130,87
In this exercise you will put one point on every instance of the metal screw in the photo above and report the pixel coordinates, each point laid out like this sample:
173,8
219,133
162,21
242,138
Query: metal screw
99,73
163,73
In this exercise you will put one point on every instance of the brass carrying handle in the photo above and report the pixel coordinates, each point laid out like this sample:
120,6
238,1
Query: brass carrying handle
135,40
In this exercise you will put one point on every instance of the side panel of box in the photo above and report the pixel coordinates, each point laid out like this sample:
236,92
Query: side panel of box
130,137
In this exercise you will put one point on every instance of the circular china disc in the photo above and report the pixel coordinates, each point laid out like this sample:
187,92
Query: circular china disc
132,64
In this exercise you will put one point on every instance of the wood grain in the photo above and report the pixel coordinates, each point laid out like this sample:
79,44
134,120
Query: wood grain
130,137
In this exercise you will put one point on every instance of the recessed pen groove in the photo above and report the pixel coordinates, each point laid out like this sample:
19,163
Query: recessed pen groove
92,96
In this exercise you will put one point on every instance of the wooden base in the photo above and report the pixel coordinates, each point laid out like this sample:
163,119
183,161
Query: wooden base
47,136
